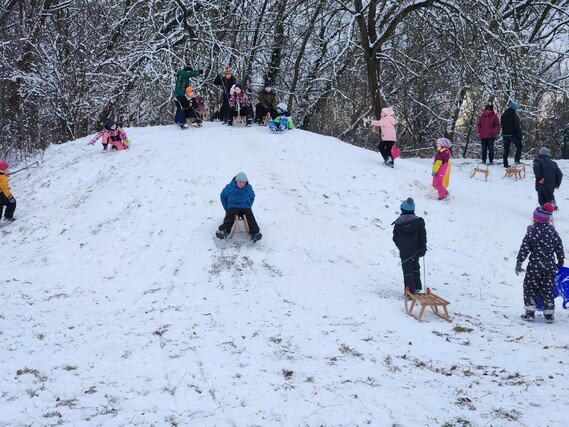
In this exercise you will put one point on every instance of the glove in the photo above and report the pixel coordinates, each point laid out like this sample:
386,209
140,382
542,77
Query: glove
366,120
433,173
422,253
518,269
11,199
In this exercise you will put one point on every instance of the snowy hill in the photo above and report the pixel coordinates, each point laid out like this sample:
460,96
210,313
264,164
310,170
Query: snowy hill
120,307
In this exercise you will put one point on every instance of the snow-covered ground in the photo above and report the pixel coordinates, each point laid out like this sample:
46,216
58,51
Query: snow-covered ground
120,307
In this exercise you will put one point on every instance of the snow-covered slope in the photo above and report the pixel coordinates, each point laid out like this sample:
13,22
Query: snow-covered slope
120,307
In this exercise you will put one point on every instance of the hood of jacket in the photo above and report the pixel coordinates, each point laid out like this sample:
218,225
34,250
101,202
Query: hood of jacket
407,223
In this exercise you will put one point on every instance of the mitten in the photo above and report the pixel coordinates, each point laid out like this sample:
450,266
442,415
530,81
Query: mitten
433,173
11,199
518,269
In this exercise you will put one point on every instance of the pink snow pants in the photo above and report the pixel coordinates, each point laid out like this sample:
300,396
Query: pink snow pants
438,181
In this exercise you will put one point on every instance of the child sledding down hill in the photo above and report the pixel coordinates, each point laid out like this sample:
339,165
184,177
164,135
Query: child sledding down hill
237,199
282,120
111,134
6,197
441,167
543,244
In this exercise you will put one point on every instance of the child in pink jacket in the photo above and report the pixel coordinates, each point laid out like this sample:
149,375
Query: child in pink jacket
111,134
441,166
388,134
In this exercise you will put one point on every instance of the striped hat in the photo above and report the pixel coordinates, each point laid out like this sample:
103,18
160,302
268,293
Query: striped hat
543,213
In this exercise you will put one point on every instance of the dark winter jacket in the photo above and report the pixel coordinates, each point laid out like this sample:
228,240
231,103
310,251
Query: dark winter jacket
183,81
410,236
511,124
541,243
226,84
267,99
548,176
488,125
196,103
234,197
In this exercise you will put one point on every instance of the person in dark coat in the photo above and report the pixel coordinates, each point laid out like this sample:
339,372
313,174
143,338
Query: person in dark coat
488,128
548,177
267,103
410,237
543,244
237,199
511,133
183,77
191,106
226,82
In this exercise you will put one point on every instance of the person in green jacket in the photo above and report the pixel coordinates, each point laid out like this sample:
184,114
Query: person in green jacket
183,77
267,103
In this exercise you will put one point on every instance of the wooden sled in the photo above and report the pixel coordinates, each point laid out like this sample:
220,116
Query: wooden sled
193,121
423,301
484,171
240,119
236,226
517,171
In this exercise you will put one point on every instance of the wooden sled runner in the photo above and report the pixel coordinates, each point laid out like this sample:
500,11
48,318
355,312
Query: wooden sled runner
517,171
434,302
484,171
237,227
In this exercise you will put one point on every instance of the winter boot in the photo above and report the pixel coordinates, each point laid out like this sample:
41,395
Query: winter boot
105,146
548,318
389,163
256,237
221,234
529,316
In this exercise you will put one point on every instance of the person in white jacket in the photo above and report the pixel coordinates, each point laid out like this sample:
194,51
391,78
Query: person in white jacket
388,133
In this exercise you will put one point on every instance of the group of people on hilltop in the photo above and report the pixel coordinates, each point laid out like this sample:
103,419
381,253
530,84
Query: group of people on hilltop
489,126
541,243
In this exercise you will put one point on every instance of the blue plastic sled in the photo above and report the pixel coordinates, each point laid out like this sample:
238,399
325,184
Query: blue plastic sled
560,288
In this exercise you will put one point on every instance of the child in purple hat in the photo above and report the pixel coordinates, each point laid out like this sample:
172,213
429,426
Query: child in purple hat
543,244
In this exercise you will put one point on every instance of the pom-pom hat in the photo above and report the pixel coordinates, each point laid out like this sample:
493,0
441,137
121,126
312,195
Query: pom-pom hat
3,165
408,206
543,213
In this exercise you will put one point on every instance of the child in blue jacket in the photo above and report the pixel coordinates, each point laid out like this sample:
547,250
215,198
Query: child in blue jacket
237,199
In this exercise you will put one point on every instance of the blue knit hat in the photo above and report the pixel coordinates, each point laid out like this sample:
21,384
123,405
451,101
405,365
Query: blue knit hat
408,206
512,105
241,177
109,124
